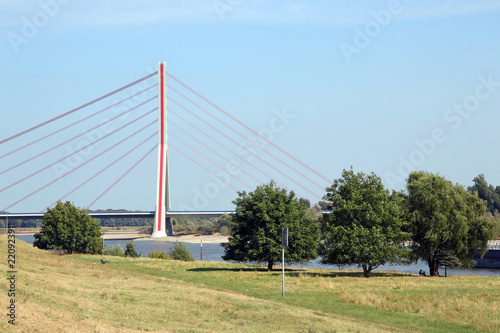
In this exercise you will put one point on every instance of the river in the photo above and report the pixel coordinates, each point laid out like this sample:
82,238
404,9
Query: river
214,252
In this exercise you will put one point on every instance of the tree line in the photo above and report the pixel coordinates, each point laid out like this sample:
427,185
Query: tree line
204,225
432,220
105,222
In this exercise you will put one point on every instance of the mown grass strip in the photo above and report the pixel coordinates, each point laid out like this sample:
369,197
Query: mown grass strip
465,304
79,294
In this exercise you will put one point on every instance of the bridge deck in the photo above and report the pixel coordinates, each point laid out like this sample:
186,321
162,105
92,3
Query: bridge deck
125,214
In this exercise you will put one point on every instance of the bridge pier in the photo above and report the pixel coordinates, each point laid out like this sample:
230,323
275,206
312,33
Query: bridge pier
169,226
162,188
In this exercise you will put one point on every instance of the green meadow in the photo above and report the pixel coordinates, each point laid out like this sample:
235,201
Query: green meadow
77,293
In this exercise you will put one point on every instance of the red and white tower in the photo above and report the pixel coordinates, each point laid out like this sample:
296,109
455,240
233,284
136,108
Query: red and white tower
162,188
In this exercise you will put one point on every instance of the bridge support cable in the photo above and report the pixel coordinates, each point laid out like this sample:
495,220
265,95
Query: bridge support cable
220,132
253,153
204,167
77,108
77,122
77,136
208,159
76,151
243,136
209,148
122,176
105,168
250,129
198,130
79,166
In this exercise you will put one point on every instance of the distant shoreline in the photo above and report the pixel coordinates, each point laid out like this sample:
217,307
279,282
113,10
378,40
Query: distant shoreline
135,236
192,238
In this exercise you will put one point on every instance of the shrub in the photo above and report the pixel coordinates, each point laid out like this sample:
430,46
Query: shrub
130,251
224,231
159,255
147,230
206,228
115,250
179,251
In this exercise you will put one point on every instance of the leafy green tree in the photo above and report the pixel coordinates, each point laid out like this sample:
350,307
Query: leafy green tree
130,250
315,212
31,223
257,222
486,192
324,205
67,228
447,222
306,202
179,251
223,224
366,226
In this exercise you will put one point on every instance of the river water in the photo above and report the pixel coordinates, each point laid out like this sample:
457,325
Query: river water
214,252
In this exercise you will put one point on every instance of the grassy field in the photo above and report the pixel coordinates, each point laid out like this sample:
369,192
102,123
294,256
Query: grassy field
78,294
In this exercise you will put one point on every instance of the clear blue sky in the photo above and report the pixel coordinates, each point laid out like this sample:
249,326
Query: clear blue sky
383,86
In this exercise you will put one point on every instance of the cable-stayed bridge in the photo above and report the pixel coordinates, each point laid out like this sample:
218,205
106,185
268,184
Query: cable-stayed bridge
113,134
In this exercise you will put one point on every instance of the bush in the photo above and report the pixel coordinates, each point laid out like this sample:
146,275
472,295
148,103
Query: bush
147,230
159,255
179,251
115,250
206,228
224,231
130,251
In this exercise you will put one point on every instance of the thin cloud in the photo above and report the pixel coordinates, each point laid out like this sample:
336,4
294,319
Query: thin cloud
427,9
95,14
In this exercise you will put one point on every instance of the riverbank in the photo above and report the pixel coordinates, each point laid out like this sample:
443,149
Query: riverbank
78,293
136,236
191,238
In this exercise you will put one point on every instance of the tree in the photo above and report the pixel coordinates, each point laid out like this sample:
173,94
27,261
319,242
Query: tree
448,223
324,205
315,212
366,226
130,250
487,193
306,202
257,222
67,228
